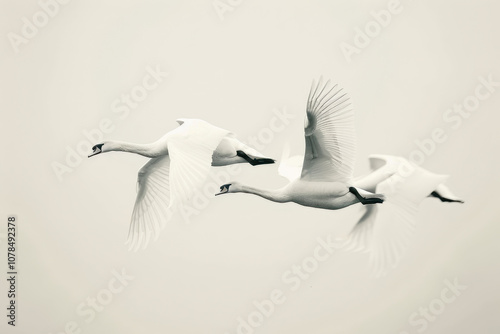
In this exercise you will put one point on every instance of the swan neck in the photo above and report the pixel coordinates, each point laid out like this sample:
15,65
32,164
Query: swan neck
147,150
271,195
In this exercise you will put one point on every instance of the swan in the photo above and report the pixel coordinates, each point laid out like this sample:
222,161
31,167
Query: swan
326,177
385,232
179,164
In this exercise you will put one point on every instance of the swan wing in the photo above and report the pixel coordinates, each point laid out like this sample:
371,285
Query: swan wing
329,135
167,182
151,209
361,234
290,167
392,230
384,232
191,147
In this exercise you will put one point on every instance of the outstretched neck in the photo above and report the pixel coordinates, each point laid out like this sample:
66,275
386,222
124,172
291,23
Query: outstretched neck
148,150
278,195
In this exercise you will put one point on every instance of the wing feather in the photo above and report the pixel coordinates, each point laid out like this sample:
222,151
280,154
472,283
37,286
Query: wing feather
329,135
153,191
171,180
191,149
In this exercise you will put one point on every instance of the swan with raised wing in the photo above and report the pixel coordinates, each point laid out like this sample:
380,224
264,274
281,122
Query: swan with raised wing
326,178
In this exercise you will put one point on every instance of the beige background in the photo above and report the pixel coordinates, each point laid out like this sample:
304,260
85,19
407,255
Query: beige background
200,278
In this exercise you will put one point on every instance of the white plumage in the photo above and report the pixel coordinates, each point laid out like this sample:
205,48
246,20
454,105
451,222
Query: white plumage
180,162
326,171
385,232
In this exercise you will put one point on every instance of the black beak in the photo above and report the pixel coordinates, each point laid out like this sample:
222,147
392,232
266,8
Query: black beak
224,189
96,149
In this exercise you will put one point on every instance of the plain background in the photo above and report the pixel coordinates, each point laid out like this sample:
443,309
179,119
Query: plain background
199,278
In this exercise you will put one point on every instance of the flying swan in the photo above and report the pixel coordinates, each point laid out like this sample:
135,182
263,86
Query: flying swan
326,178
384,232
323,179
180,162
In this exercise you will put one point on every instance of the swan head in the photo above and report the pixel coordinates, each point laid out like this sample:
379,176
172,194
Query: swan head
96,149
229,188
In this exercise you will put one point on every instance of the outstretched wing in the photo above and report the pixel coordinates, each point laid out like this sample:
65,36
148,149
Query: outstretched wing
168,182
393,229
191,147
329,134
384,231
361,235
152,205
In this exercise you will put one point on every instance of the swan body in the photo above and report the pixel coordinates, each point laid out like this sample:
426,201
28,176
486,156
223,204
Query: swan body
225,153
180,161
325,180
321,195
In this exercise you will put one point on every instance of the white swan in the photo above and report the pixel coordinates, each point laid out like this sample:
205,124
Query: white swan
326,177
385,232
180,162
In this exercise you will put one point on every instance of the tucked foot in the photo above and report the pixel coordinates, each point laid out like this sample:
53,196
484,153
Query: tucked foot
367,198
445,199
254,160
